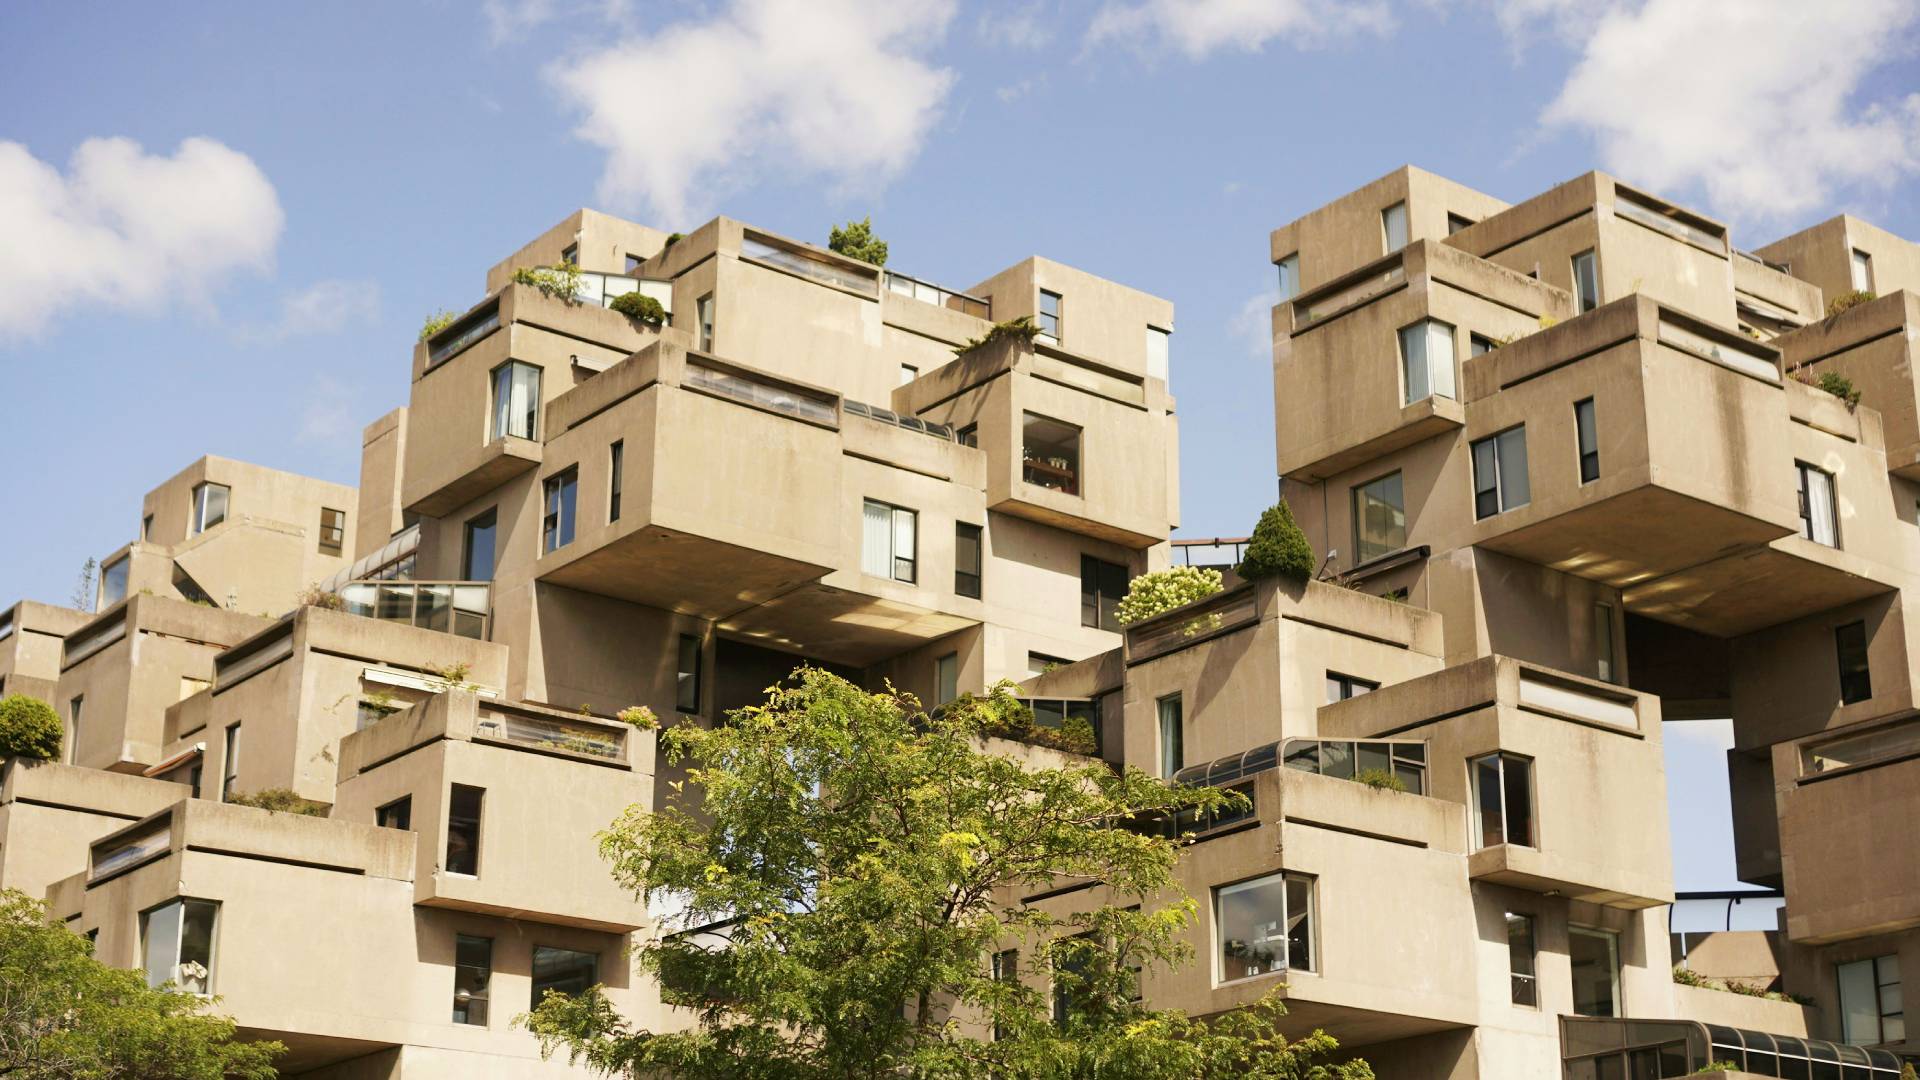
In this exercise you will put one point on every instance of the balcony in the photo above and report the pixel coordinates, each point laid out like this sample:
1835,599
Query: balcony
928,293
1846,806
462,608
1377,352
1876,345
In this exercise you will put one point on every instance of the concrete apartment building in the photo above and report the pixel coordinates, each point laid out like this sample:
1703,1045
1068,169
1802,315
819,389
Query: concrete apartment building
1561,458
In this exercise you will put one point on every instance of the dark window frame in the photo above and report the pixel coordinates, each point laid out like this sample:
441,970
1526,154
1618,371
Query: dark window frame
1097,598
967,582
1850,652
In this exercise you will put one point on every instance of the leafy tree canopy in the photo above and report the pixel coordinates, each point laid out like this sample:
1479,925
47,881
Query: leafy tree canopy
855,240
856,862
29,728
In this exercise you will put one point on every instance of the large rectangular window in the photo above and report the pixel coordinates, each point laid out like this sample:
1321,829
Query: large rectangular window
563,971
333,530
472,972
209,506
1173,755
1520,960
1603,641
1379,518
1393,226
516,400
1502,800
967,559
1426,360
703,314
946,676
1500,473
1050,303
176,944
1051,454
113,583
615,460
1595,959
476,553
1862,264
686,685
1586,440
1856,677
1102,586
1289,268
888,541
230,767
1586,281
1263,926
556,525
463,829
1871,1009
1818,519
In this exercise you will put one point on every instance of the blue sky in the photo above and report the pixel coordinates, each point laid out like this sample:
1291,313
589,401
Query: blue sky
220,230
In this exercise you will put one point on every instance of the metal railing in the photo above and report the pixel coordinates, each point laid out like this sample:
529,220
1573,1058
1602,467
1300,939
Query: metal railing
929,293
1185,552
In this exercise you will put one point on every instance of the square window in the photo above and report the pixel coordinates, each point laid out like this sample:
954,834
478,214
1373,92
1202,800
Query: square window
1050,454
209,506
1263,926
176,941
563,971
333,530
397,814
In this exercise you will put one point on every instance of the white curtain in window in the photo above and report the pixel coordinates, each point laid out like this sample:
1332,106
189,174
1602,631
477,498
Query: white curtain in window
903,546
1413,362
876,540
1820,506
1440,358
1514,491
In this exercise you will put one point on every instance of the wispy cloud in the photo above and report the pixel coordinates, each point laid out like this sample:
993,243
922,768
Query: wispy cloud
511,20
842,90
1200,28
126,229
1026,26
1252,324
327,415
325,307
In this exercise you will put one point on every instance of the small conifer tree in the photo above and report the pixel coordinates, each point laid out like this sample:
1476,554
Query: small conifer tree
1278,547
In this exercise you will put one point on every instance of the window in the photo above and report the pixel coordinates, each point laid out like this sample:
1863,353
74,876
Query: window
571,254
176,939
1603,641
516,400
968,436
614,462
1051,454
1871,1010
1157,341
1102,585
209,506
186,774
1817,516
1393,223
1072,970
1502,800
1856,679
563,971
1006,969
1500,473
1289,277
1426,360
476,555
686,684
230,767
556,528
1379,518
333,530
1040,663
1586,281
73,728
397,814
1595,959
463,830
472,971
1520,960
146,527
703,313
1587,440
1341,687
946,676
370,713
113,583
888,541
1173,756
966,559
1050,316
634,262
1263,926
1479,345
1862,271
1455,223
908,373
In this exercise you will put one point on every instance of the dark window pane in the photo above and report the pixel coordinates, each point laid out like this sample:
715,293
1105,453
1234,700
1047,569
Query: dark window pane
1856,681
1519,808
463,830
687,682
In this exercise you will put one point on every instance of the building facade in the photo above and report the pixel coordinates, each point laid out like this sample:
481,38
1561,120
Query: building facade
1569,464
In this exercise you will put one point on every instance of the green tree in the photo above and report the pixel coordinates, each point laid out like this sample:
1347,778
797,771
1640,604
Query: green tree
66,1016
855,240
866,859
1278,548
29,728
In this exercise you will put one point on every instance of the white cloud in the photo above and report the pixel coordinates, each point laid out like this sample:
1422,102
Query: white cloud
1199,28
1023,28
840,89
325,307
1253,323
1755,103
124,228
1015,91
510,20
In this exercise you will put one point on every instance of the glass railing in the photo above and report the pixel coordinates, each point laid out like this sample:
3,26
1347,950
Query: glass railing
455,339
809,265
603,289
1317,307
888,416
1365,760
1668,221
130,850
902,285
1760,366
456,607
1165,633
548,733
794,402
